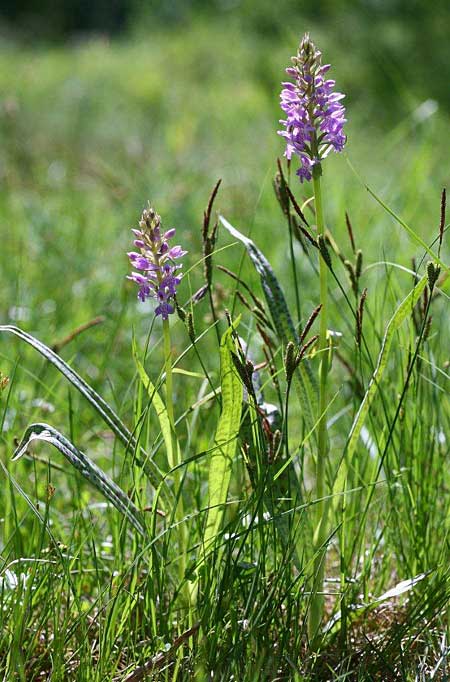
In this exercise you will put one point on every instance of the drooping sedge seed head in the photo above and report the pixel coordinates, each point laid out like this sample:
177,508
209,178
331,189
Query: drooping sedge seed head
190,326
304,349
352,275
433,272
321,242
180,311
281,194
350,231
207,213
358,263
274,445
442,217
245,370
289,360
424,301
200,294
359,317
310,322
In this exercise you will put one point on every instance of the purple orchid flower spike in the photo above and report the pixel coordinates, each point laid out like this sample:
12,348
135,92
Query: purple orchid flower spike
159,275
315,116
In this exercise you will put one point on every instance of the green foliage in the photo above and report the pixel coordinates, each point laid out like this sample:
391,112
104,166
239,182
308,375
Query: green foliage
161,410
91,131
107,487
220,460
304,379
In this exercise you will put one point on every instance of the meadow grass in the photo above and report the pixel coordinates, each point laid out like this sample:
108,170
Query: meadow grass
90,134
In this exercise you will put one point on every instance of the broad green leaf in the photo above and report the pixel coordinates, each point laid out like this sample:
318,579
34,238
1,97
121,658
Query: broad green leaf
221,458
161,411
104,484
108,415
304,379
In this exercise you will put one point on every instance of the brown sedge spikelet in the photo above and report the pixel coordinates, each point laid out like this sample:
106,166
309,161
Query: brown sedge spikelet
359,317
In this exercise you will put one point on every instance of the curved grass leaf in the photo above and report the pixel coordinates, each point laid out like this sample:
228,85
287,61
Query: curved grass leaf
409,230
101,406
227,432
404,309
90,471
304,379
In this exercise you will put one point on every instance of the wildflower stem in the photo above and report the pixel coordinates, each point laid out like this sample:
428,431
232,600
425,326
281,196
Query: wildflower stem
316,609
174,460
293,262
169,384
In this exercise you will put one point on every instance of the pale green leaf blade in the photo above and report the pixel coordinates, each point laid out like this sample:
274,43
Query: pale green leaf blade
161,411
226,437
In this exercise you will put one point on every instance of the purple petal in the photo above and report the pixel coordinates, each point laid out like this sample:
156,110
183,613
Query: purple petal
164,309
139,261
138,278
176,252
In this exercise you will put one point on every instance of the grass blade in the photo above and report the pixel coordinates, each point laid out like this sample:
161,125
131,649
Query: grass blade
403,311
101,406
90,471
304,379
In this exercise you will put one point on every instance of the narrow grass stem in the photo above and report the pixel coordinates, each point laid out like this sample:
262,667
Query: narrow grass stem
316,608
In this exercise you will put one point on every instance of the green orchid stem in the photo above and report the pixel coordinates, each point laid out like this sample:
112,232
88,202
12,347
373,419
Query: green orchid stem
317,600
293,262
174,459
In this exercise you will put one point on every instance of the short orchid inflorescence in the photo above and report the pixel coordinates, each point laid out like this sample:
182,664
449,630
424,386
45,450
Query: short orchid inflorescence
159,275
315,116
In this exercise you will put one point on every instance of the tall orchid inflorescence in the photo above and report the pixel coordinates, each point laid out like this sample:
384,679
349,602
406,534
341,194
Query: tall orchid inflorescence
159,276
315,116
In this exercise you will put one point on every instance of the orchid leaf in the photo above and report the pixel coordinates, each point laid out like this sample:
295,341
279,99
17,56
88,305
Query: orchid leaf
104,484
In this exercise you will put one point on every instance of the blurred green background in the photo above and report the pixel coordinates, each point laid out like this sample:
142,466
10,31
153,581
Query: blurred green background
105,105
